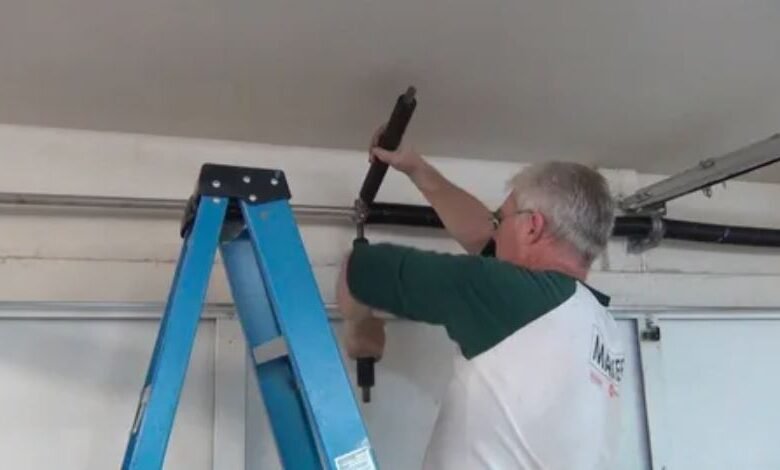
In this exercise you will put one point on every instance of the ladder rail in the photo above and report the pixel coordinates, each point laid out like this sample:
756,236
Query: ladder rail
286,412
314,355
168,366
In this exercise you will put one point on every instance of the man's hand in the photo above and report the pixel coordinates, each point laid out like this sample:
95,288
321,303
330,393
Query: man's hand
364,334
364,337
404,160
464,216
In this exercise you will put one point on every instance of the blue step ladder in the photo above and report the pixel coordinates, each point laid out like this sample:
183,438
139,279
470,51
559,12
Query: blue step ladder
305,388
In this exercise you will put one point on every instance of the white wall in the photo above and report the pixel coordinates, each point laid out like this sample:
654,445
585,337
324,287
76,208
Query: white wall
131,258
57,255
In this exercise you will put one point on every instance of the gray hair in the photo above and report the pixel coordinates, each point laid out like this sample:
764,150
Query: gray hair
575,201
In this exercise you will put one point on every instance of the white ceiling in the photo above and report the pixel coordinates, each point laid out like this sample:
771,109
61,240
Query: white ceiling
649,84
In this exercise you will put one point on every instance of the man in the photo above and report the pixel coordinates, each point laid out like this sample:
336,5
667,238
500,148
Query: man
538,380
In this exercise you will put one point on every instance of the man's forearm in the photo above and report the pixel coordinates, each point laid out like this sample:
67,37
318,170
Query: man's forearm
466,218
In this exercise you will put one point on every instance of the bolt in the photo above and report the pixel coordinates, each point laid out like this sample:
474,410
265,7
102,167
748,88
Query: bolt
216,183
707,163
253,197
247,179
274,181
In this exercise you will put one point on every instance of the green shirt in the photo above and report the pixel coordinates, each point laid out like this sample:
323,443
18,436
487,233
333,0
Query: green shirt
480,301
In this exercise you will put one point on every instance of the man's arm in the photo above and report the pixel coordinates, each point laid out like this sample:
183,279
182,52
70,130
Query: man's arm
478,300
464,216
466,219
403,281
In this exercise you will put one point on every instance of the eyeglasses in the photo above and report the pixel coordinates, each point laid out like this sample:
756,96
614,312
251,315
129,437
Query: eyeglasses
497,216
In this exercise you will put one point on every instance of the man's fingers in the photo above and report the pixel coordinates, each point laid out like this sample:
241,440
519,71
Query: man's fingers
364,338
375,141
382,154
377,134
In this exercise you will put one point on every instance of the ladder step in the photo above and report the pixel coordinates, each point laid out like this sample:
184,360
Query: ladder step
271,350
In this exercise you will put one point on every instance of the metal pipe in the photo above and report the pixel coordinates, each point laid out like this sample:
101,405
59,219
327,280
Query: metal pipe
148,204
400,214
389,140
91,310
707,173
91,202
632,226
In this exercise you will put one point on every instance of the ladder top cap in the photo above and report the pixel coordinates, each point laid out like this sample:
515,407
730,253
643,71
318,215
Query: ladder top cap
256,185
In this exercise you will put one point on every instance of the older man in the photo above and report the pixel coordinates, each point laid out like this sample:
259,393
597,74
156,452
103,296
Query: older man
537,383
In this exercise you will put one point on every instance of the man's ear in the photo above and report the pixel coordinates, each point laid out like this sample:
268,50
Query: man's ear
536,226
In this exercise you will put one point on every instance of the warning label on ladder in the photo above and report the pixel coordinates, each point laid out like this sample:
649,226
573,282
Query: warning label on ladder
359,459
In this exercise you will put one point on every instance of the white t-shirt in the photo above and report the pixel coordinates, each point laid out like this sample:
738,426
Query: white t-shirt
546,397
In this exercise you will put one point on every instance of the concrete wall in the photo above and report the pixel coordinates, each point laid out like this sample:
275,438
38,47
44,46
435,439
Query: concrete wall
55,255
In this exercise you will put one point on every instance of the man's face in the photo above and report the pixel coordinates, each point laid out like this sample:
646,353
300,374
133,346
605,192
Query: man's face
517,232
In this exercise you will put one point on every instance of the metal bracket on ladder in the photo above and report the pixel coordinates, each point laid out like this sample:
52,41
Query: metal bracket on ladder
305,388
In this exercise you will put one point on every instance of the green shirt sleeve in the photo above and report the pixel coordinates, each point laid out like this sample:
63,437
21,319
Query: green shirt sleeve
480,301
